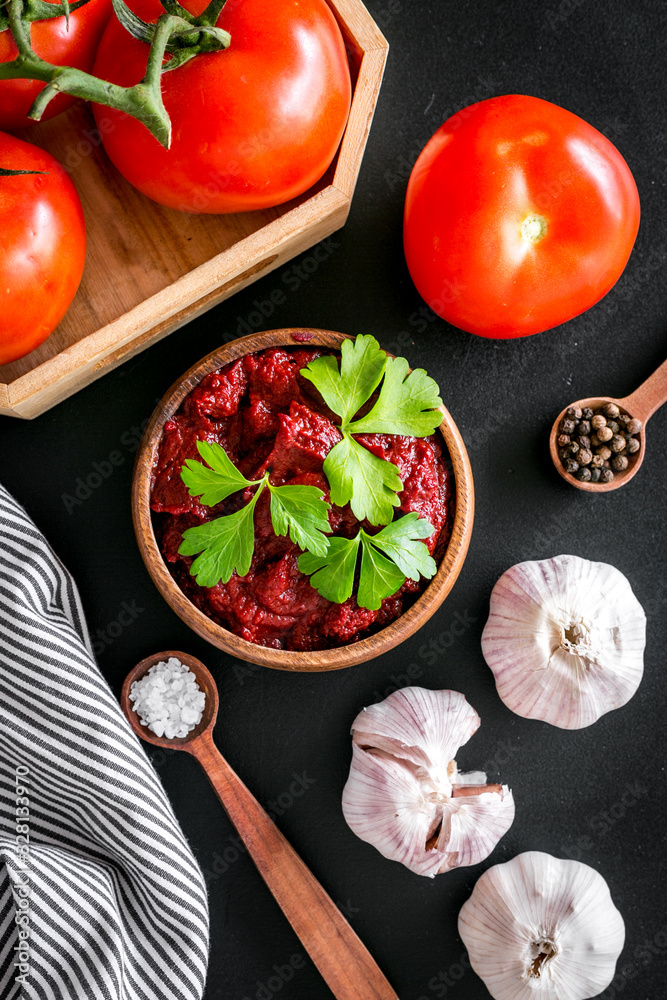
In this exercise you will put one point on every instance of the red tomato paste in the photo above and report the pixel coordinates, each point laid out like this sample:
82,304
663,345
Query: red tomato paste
268,417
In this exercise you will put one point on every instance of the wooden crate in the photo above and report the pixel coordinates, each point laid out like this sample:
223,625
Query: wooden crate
149,269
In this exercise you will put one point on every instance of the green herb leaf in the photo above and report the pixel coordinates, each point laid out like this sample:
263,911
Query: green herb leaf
404,406
301,510
333,573
358,477
226,544
214,484
379,576
362,364
382,573
402,542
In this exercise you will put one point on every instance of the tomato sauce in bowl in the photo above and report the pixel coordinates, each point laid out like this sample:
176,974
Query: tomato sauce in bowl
267,417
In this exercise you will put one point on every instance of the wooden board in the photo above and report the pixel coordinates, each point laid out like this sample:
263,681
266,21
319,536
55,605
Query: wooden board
150,269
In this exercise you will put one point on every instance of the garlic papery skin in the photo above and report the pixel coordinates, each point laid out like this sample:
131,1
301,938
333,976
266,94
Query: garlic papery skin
565,640
537,928
404,793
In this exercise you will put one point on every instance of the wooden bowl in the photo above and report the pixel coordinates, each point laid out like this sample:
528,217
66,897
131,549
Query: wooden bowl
325,659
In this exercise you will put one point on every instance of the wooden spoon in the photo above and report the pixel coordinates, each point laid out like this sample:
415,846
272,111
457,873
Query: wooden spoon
343,961
642,404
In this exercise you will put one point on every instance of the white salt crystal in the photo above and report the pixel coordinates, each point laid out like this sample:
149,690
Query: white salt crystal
168,699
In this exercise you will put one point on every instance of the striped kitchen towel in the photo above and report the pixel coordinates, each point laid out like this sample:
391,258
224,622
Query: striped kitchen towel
100,896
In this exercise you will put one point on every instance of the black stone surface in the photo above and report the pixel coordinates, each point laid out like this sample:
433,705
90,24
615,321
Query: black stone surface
597,795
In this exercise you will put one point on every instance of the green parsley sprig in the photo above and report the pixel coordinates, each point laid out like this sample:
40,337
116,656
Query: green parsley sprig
387,558
406,404
227,543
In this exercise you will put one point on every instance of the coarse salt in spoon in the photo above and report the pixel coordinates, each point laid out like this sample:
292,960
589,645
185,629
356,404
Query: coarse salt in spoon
343,961
641,404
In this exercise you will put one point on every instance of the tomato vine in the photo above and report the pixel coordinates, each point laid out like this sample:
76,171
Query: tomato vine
176,33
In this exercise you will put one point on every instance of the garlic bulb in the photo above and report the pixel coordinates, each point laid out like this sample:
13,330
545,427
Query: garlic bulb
565,640
537,928
405,795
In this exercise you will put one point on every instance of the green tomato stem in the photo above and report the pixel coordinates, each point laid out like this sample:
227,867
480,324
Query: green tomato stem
212,12
143,101
20,31
39,10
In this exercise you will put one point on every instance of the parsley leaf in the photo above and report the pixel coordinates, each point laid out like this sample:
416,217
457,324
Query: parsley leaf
362,365
302,511
333,573
405,405
226,544
379,576
359,477
401,541
214,484
386,559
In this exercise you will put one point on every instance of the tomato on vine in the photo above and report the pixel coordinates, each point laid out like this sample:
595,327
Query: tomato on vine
252,126
57,42
43,246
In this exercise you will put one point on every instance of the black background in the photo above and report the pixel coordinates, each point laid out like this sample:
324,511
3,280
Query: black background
603,60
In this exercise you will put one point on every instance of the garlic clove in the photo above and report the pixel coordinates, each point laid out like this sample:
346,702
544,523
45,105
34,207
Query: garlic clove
565,640
419,725
472,831
404,794
538,927
383,805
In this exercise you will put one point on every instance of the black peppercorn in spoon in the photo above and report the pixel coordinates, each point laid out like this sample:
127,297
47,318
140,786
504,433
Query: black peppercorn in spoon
343,961
641,404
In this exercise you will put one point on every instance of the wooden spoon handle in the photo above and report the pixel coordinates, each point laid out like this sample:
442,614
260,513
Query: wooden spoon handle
650,395
343,961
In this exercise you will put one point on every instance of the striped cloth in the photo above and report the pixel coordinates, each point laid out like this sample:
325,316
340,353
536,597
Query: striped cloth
104,882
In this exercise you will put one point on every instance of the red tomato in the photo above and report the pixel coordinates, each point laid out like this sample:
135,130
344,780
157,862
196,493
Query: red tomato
253,126
52,41
518,216
42,249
